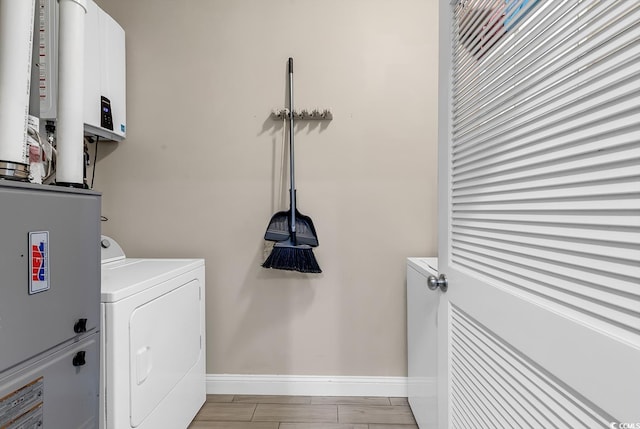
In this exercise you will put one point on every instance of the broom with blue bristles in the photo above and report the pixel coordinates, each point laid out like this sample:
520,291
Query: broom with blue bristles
289,254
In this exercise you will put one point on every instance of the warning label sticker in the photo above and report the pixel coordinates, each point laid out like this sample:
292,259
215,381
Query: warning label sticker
22,408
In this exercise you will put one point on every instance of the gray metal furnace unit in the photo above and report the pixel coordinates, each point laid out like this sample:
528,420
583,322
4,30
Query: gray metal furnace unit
49,307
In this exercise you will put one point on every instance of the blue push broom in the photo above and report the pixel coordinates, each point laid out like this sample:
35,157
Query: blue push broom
291,254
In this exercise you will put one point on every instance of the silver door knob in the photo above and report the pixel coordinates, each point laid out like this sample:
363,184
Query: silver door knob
440,282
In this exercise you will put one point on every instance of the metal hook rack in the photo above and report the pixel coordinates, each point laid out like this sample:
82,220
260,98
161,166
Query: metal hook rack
303,114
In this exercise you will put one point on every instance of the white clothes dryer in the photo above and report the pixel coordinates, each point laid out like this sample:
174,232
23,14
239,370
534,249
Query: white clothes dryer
153,341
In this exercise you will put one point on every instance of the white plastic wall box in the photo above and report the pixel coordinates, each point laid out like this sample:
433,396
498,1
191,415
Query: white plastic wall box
104,69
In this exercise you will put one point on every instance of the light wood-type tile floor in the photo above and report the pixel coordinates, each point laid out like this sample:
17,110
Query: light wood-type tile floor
303,412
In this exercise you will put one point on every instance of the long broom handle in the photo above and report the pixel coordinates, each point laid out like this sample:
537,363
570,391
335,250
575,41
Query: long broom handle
292,189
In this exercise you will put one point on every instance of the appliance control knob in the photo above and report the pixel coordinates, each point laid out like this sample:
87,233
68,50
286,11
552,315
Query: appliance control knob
79,360
104,243
80,326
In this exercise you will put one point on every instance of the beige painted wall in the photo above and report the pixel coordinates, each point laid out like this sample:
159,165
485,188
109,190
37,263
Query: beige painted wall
199,173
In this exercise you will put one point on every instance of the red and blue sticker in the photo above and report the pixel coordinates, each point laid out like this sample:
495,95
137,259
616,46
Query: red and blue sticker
38,262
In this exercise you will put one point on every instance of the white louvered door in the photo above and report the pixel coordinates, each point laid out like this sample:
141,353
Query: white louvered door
539,214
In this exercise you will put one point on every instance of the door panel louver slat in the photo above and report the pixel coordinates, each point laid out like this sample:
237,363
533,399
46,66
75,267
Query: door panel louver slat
568,145
620,238
583,262
539,198
507,389
598,251
545,167
529,78
590,299
536,178
548,52
551,27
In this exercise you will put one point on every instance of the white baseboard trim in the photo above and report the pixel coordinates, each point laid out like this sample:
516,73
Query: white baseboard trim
243,384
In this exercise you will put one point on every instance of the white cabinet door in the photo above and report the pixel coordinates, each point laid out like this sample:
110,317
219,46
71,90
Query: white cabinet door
539,214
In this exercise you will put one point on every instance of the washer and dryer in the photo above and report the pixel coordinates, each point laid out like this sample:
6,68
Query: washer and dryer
153,340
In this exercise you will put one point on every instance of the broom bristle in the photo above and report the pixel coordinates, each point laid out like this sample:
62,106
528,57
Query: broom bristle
286,256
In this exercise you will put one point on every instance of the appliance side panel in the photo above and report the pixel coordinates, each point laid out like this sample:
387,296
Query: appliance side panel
422,342
59,390
34,323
